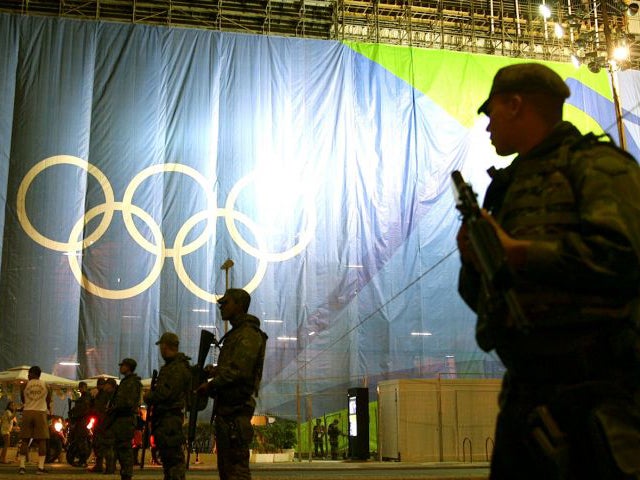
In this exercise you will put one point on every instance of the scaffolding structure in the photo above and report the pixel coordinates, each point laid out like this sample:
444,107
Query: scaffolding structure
514,28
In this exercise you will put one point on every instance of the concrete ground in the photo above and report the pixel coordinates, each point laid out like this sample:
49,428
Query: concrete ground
316,470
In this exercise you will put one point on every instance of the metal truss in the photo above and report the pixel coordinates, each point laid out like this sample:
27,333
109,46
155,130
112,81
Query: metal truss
514,28
299,18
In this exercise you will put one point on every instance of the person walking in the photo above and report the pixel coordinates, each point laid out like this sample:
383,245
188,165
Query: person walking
235,384
36,401
167,402
566,212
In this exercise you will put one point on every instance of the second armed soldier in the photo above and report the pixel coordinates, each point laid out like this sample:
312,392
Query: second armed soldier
121,419
167,402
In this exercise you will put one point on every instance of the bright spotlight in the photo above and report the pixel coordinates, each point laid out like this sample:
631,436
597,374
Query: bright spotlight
545,11
621,53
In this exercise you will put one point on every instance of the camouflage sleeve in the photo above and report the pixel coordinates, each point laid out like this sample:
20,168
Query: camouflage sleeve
242,360
164,391
171,386
128,396
602,256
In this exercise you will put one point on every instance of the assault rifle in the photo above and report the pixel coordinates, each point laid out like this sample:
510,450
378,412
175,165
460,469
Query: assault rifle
146,436
198,377
494,269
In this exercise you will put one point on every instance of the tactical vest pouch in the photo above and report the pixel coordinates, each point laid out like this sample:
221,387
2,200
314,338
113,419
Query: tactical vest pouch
233,432
619,424
585,434
549,442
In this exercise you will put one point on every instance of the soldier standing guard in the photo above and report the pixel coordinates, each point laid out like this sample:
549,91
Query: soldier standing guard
235,384
168,401
121,415
565,212
99,410
106,435
79,434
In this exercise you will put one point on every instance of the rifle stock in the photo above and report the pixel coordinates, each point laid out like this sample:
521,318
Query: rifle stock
147,421
491,256
198,377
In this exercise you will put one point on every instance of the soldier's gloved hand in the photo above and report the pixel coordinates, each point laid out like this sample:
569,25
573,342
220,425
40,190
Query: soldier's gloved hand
464,247
515,249
203,390
210,370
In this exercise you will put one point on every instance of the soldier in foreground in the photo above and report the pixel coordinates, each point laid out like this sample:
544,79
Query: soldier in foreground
567,215
168,401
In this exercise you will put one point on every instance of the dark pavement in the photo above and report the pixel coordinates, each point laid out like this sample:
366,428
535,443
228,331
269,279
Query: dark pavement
316,470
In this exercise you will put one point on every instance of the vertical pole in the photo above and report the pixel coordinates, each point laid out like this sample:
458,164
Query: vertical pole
298,417
570,12
614,78
618,107
226,266
309,406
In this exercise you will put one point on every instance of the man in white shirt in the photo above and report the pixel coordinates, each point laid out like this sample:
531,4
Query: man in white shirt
36,400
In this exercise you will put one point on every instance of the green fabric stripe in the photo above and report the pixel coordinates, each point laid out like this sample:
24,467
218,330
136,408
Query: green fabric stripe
459,82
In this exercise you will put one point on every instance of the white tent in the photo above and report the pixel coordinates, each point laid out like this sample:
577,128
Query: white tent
92,382
10,381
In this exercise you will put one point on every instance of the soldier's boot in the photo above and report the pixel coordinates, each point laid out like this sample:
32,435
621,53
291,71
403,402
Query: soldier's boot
97,468
125,477
110,466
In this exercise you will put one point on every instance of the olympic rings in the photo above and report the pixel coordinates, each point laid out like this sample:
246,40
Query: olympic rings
128,292
177,259
305,238
169,167
158,247
22,197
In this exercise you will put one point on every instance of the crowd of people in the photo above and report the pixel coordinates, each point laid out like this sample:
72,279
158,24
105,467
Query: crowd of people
109,421
102,423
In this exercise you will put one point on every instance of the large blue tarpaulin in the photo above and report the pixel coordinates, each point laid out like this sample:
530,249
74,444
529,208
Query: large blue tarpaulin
134,160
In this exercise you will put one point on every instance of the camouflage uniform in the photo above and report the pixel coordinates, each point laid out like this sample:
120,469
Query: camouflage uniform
99,410
79,416
121,421
578,200
234,386
168,401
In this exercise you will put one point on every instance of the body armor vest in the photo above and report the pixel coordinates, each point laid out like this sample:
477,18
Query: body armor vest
535,199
